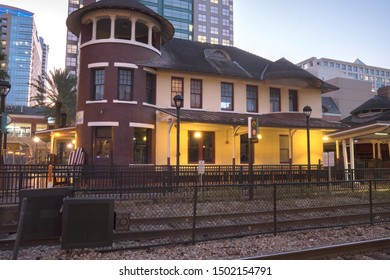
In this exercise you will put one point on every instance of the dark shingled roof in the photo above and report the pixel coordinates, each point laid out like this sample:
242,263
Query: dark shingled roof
73,21
377,108
282,120
329,106
189,56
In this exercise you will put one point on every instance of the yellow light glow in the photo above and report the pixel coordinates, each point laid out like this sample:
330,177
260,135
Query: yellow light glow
74,141
325,138
259,136
70,145
198,135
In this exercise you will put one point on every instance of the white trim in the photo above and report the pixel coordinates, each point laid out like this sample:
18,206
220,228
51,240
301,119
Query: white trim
142,125
98,65
150,70
103,123
126,65
124,102
96,101
149,105
121,41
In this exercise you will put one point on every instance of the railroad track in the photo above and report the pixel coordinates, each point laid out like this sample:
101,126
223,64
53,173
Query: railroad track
209,227
349,249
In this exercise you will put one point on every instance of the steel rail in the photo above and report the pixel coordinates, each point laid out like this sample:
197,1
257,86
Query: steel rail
327,251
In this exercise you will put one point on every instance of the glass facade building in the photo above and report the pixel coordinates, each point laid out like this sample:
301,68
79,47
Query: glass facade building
24,50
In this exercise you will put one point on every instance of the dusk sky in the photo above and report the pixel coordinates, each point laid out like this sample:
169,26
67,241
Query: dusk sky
338,29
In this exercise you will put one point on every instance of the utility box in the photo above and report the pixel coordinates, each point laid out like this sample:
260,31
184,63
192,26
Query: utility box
87,223
43,217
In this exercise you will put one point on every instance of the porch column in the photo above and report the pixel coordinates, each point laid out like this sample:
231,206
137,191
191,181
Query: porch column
345,158
235,130
373,151
352,156
94,28
112,32
133,24
337,149
379,150
150,34
170,124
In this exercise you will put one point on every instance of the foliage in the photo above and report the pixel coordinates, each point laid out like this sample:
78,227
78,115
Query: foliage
3,72
57,92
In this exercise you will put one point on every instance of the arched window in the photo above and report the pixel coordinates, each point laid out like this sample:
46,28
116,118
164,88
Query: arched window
122,29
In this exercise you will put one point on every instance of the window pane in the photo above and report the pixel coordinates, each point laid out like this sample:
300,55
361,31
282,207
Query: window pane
275,99
102,142
227,96
293,100
99,85
150,88
177,85
140,146
196,93
124,87
251,98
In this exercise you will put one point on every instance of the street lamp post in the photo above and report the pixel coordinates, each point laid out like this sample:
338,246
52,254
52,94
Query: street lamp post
307,112
178,99
5,87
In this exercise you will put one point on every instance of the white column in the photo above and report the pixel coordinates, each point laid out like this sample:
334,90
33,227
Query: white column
337,149
112,32
94,28
352,156
379,150
170,124
150,34
345,158
133,24
373,151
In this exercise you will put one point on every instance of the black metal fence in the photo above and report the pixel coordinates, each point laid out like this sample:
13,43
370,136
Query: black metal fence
16,177
155,206
152,215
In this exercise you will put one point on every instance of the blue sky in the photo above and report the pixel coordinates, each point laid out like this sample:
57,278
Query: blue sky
337,29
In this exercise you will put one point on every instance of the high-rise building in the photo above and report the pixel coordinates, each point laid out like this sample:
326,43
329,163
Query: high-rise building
327,68
209,21
26,53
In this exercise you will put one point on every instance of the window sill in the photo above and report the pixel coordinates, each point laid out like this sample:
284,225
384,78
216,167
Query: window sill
124,102
95,101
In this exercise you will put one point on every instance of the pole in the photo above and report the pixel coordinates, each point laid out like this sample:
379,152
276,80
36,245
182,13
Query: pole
178,145
2,108
308,147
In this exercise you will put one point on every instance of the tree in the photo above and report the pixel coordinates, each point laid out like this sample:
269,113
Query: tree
3,62
57,94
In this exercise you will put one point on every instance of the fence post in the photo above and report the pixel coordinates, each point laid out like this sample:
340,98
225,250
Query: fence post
275,210
371,204
194,215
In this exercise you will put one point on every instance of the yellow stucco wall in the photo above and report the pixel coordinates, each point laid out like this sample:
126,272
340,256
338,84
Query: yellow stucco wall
267,151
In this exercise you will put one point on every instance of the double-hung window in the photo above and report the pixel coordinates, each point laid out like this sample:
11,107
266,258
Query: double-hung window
177,88
98,89
275,99
124,84
251,99
227,96
196,94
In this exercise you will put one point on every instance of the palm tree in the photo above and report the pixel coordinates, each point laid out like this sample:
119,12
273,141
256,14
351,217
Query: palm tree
57,94
3,61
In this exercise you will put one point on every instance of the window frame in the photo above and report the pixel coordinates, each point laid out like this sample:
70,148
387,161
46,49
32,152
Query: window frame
274,99
255,99
225,96
176,89
196,94
98,83
200,147
293,100
123,96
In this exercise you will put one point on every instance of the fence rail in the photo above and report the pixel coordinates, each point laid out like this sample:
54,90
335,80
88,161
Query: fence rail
16,177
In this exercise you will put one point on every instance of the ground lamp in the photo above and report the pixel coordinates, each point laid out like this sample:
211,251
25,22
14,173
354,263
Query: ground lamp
307,112
5,87
178,99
